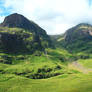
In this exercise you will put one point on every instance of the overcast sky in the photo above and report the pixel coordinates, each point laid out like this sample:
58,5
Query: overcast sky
55,16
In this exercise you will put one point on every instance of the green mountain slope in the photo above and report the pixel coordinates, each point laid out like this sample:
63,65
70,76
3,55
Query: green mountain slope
77,39
66,83
18,35
29,64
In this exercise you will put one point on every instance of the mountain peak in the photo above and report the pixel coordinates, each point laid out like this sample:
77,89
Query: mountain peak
37,40
15,14
19,21
81,30
16,20
83,24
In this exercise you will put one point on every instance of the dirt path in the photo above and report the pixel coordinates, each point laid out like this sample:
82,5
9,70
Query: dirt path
80,67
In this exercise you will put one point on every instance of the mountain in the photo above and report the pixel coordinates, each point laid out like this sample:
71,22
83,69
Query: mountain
77,39
25,68
19,21
18,34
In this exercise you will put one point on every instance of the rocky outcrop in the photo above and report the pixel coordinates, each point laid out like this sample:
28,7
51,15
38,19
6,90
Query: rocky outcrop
77,39
81,31
19,21
18,34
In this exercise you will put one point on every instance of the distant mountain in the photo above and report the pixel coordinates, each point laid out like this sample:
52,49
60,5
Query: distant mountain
18,34
77,39
81,31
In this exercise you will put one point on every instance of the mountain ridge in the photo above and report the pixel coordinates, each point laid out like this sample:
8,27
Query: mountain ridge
19,21
77,38
17,27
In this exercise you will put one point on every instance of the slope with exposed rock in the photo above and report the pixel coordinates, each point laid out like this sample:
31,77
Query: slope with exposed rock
77,39
18,34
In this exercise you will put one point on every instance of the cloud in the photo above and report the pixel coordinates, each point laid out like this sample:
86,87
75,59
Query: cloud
2,18
55,16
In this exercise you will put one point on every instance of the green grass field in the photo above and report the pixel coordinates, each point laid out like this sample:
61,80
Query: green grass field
53,72
62,83
87,63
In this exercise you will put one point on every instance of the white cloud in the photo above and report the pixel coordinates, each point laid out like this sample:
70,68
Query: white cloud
2,18
55,16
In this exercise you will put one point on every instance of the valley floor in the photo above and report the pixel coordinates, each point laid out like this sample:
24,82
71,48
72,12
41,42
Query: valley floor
64,83
77,82
46,74
80,67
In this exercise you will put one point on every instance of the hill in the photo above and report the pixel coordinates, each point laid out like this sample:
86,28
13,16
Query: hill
30,63
77,39
18,35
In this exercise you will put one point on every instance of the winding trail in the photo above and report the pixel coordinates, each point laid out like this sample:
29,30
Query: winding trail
80,67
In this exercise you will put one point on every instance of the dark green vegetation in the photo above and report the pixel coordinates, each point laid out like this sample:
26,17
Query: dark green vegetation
31,61
29,73
19,35
34,67
77,39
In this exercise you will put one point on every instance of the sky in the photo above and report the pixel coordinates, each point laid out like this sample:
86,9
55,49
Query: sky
55,16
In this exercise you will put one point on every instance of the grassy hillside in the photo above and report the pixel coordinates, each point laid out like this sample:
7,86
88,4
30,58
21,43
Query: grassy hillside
17,40
53,71
76,39
35,67
62,83
31,62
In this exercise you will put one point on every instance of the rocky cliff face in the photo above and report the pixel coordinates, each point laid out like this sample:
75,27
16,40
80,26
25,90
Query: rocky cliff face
77,39
18,34
19,21
81,31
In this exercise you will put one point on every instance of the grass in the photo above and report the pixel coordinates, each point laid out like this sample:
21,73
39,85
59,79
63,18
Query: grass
44,73
87,62
62,83
34,67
